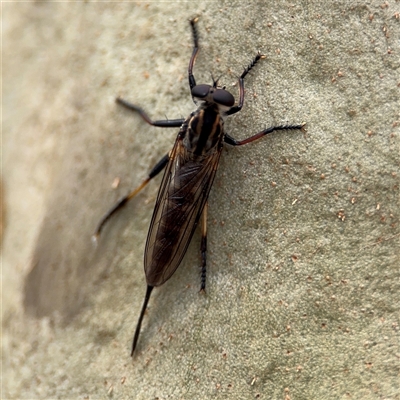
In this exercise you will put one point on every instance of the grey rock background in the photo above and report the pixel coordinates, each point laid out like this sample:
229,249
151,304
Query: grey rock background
303,281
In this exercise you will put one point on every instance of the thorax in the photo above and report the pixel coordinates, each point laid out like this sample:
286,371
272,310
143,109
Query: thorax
204,130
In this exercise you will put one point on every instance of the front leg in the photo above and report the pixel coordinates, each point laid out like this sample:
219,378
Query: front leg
192,80
235,109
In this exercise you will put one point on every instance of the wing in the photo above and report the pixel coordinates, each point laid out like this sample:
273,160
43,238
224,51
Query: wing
183,193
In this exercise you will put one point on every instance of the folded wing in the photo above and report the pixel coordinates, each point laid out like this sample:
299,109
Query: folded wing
183,193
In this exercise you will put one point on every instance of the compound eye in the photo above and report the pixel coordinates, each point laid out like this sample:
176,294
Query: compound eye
224,98
201,91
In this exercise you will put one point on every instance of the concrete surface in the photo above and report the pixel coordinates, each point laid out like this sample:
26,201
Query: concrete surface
303,281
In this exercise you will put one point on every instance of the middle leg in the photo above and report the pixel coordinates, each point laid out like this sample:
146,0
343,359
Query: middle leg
230,140
169,123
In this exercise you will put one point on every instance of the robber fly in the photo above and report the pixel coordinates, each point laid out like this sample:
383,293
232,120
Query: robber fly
190,169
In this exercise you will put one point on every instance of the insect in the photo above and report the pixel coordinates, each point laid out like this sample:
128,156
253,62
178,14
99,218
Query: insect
190,169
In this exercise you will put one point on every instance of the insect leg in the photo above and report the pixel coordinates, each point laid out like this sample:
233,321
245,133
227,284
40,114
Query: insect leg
230,140
139,324
156,170
203,248
192,81
169,123
237,108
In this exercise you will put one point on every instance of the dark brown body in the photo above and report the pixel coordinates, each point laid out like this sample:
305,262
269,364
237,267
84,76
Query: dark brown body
183,193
